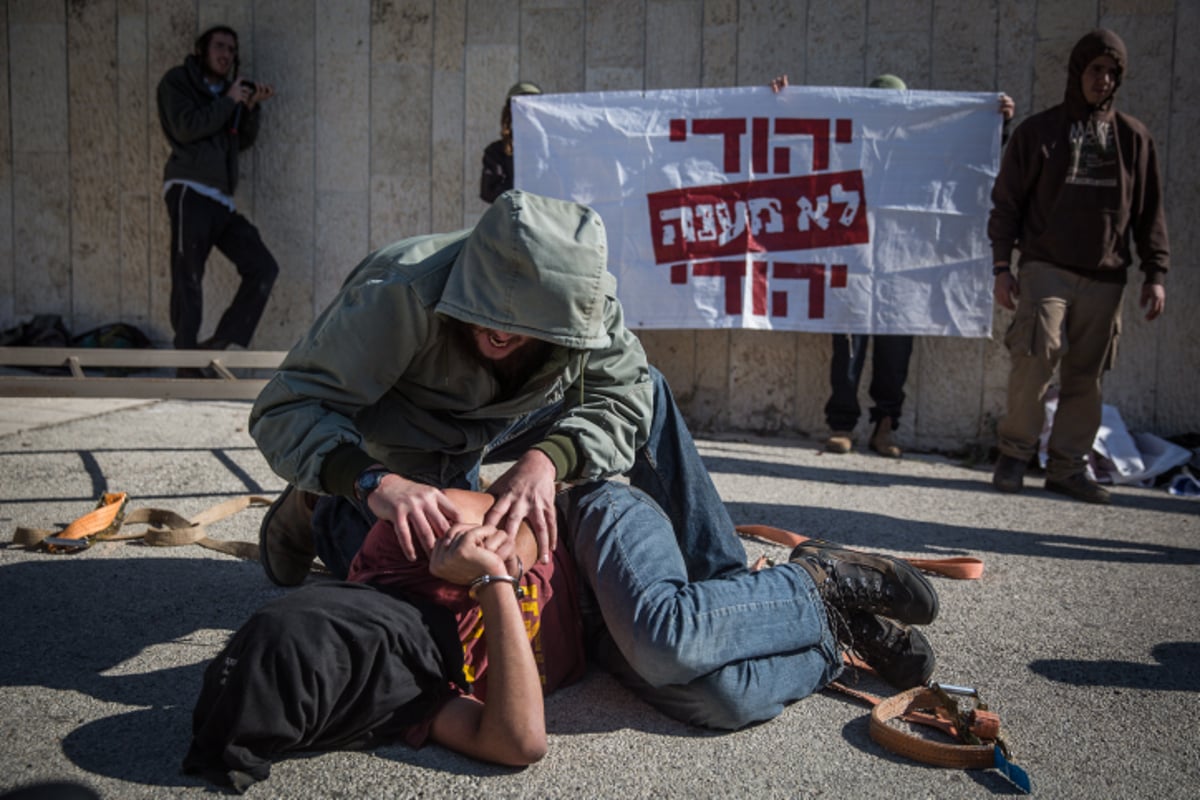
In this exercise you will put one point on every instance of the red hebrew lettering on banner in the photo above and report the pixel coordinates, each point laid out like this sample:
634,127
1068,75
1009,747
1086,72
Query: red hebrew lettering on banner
707,231
798,213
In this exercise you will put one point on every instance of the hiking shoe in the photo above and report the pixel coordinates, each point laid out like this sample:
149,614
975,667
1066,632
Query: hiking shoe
285,544
881,440
878,584
840,442
1009,475
1079,487
900,655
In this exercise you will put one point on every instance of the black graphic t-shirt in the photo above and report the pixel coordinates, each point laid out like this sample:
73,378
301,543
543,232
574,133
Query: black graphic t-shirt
1093,154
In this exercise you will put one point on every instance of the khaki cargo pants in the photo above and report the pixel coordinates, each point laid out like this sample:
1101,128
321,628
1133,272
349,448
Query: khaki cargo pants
1072,323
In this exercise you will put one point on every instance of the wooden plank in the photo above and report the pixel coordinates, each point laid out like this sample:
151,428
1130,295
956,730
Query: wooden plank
129,357
164,388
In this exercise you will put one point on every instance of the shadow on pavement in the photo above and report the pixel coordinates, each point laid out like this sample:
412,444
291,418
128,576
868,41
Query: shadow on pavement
1175,671
91,465
117,630
975,481
868,530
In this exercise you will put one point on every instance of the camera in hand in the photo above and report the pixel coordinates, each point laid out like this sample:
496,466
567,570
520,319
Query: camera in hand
248,84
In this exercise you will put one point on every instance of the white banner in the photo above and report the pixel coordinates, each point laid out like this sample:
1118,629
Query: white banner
815,209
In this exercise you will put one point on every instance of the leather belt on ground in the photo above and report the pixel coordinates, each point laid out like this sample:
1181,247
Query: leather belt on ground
977,729
924,707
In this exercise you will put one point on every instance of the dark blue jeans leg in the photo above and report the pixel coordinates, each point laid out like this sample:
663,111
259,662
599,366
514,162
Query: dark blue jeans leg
889,370
845,371
670,470
340,527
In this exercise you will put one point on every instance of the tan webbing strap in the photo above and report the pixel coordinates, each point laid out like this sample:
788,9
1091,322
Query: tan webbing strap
165,528
958,567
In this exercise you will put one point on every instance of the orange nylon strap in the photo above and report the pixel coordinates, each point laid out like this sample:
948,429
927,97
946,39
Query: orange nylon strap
958,567
165,528
101,522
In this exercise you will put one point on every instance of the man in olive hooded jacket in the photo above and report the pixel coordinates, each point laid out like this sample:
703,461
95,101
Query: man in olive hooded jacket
503,342
1078,186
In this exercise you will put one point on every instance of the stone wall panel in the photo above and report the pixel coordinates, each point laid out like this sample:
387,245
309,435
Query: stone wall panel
552,49
93,141
837,41
38,93
492,64
450,174
674,36
964,45
385,106
771,40
719,49
614,38
42,255
7,260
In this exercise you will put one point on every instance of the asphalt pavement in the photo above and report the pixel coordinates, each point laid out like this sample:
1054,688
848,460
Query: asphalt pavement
1083,633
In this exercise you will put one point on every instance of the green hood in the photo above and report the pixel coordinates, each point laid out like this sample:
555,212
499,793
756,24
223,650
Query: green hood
534,266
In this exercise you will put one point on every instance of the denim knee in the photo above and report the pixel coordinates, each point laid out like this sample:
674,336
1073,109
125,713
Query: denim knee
713,701
658,653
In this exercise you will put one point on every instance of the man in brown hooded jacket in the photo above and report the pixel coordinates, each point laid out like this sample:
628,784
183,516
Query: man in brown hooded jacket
1078,184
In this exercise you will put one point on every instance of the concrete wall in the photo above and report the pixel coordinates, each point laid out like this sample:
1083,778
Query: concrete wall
384,107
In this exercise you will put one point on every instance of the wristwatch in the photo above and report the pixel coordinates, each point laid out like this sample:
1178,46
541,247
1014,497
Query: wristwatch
368,481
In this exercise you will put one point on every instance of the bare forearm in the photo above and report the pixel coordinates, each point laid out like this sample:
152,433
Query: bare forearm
513,717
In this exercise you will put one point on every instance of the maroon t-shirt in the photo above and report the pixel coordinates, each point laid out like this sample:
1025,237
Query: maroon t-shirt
550,607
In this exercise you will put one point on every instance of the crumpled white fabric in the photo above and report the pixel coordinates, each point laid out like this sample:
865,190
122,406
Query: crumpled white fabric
1118,456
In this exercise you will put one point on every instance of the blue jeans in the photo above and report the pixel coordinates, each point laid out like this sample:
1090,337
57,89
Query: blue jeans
667,468
889,370
722,652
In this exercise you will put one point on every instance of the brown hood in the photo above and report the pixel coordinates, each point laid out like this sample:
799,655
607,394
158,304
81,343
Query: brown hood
1100,42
